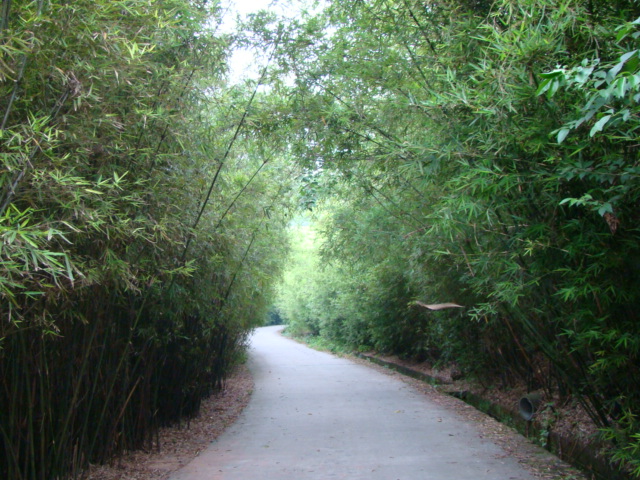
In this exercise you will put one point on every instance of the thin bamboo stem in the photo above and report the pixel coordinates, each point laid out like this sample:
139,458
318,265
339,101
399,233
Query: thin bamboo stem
63,438
244,257
416,64
228,151
421,28
6,9
246,185
4,24
246,253
121,363
14,92
11,191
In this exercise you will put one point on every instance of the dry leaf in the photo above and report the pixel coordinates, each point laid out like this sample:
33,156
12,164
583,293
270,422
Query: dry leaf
439,306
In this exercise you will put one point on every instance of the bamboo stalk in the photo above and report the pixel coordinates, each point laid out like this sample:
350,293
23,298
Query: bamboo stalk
6,9
30,393
253,237
63,438
14,92
11,191
11,386
92,396
44,377
235,274
229,147
120,366
246,185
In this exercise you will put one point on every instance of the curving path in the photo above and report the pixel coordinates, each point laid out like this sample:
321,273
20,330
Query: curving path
315,416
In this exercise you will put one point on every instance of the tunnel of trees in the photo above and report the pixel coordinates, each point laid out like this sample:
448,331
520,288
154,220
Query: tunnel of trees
478,152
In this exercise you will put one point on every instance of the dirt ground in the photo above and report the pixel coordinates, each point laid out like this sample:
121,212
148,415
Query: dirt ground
180,444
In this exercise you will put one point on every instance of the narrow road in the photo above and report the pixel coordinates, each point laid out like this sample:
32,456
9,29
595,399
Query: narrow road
316,416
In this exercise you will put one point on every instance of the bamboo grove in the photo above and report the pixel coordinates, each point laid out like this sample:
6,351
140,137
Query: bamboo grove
138,244
483,153
470,151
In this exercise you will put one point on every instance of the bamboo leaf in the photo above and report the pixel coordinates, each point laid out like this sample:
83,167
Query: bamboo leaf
599,125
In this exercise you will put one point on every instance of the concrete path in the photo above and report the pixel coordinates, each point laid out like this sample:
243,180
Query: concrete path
315,416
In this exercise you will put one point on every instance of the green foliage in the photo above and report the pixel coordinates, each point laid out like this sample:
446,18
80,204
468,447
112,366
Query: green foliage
125,297
295,289
484,153
605,181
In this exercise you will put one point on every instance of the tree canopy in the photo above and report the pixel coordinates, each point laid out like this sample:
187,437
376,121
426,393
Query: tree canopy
481,153
139,243
484,154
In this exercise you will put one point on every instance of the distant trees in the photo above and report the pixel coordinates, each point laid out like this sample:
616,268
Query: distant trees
484,153
124,296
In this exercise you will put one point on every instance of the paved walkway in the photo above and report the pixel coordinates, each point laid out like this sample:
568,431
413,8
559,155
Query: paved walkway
315,416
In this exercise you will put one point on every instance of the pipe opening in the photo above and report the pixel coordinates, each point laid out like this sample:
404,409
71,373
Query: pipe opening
528,405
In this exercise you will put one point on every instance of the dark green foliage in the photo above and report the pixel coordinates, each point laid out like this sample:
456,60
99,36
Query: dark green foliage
485,154
109,141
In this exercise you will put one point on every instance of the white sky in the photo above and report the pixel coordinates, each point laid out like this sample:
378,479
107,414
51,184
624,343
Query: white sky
242,62
244,7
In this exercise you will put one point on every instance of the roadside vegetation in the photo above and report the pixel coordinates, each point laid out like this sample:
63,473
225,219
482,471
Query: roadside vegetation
482,153
138,243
